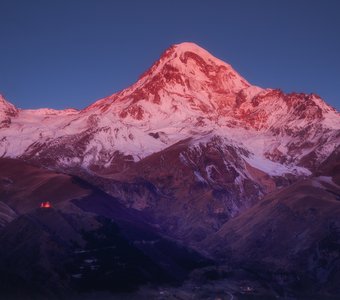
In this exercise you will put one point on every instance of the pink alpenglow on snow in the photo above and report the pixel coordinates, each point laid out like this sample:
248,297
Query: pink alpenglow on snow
187,94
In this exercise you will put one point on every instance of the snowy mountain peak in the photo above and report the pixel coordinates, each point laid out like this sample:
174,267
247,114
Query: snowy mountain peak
186,61
192,47
6,108
3,100
187,95
185,80
188,85
183,48
180,50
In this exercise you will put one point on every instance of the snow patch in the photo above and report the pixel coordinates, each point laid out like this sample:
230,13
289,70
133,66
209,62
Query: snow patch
199,177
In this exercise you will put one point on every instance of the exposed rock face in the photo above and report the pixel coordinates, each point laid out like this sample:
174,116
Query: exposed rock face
7,111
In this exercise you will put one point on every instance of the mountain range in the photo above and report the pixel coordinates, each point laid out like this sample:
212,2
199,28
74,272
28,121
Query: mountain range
192,170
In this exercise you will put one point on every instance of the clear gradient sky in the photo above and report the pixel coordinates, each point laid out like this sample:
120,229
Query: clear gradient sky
69,53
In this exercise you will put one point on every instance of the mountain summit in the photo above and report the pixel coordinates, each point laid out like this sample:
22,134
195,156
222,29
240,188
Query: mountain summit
187,63
186,78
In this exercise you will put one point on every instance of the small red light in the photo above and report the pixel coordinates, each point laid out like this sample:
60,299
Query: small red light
46,204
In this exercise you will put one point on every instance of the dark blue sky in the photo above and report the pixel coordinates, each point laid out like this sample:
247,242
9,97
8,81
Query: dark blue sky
68,53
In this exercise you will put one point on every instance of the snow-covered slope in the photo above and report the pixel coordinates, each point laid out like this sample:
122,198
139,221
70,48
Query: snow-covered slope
187,93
